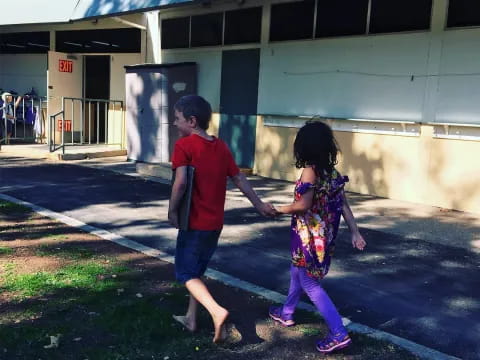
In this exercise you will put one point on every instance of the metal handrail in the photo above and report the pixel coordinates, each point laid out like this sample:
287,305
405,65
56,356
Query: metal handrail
35,103
52,146
4,132
85,120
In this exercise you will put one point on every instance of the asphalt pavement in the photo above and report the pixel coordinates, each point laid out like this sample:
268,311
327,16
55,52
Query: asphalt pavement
417,279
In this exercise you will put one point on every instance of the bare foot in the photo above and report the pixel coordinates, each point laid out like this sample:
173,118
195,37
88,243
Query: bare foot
188,324
219,325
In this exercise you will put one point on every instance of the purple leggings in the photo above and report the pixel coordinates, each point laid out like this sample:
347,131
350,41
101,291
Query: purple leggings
299,282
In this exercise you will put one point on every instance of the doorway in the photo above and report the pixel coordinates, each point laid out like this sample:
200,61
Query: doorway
96,86
238,103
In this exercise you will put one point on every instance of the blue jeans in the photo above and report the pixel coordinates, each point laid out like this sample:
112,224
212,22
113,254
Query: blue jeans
193,253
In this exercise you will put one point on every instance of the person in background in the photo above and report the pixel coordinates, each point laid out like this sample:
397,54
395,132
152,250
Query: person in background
8,111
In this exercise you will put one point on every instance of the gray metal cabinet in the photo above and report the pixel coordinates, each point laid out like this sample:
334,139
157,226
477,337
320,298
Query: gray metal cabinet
151,92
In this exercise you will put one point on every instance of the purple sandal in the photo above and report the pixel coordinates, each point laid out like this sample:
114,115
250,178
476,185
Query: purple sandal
275,313
333,342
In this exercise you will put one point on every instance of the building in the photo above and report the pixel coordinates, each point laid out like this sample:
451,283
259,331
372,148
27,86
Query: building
397,80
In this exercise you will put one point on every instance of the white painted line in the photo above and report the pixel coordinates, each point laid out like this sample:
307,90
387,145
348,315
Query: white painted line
422,351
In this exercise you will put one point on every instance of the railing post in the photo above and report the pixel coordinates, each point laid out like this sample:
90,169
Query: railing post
63,124
98,123
82,120
72,126
89,106
106,122
122,118
24,119
52,137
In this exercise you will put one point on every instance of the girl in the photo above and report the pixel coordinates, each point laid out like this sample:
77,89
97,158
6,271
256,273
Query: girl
319,201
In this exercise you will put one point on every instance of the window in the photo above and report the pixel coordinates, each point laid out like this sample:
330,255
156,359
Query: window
99,41
176,33
292,21
341,17
400,15
207,29
463,13
25,43
243,26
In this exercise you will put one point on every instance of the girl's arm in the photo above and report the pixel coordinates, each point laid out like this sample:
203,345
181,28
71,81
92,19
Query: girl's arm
357,239
305,201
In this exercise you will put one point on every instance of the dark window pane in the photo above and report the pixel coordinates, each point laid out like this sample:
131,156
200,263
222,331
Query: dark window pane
341,17
207,29
175,33
243,26
25,43
99,41
400,15
292,21
463,13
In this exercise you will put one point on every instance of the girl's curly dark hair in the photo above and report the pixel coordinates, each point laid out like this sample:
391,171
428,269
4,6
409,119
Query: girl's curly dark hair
316,146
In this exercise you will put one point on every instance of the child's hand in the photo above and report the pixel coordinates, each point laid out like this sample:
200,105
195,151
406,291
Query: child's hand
267,209
281,210
358,241
173,219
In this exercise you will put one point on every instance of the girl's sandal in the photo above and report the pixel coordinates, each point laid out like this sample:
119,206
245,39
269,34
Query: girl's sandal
275,313
332,343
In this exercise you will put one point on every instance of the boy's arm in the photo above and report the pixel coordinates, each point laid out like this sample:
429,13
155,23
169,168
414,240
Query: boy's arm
242,183
178,189
357,239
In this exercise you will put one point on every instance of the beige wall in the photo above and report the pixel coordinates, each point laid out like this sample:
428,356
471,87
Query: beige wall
423,169
214,126
117,73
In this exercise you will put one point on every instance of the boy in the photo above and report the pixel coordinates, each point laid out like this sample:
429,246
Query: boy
213,163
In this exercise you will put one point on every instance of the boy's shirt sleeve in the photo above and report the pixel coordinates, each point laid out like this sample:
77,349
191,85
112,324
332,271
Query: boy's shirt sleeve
180,156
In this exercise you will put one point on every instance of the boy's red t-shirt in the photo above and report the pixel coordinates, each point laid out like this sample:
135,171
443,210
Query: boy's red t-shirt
213,164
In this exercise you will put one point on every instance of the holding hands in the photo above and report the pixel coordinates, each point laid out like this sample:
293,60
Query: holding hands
266,209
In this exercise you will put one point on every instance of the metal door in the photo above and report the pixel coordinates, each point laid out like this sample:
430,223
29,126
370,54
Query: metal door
64,79
238,103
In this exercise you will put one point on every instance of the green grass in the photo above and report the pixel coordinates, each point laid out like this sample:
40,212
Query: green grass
115,326
84,276
7,207
71,252
5,250
8,269
308,330
55,236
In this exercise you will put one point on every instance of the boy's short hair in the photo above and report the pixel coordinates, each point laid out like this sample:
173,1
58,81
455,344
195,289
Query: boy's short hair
194,105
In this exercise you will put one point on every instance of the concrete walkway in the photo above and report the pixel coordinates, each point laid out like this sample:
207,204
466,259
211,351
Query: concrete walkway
72,152
418,279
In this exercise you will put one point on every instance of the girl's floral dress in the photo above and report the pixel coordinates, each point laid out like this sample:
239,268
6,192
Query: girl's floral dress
313,233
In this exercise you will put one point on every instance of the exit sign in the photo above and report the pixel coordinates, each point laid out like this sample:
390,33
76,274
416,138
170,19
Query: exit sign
65,66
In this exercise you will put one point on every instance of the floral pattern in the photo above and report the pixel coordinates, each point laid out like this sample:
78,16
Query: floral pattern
313,233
